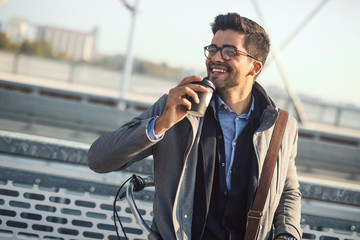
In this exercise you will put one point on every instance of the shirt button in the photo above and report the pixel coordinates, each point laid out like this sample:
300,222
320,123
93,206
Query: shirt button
234,143
223,164
237,118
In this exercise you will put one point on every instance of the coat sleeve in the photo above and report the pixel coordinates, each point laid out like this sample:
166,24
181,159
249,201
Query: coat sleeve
288,212
118,149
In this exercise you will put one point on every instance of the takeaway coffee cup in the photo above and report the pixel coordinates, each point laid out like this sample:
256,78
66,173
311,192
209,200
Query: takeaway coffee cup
199,110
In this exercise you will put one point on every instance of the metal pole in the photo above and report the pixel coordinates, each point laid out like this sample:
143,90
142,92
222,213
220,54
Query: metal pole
126,74
284,74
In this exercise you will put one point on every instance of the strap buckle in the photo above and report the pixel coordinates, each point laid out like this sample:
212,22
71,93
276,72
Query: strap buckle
255,214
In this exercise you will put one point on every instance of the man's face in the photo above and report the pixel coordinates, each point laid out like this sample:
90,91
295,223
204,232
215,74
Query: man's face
232,73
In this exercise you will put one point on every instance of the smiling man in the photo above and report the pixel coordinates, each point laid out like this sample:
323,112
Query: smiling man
207,169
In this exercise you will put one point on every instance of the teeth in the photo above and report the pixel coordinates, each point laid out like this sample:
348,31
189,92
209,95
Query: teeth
219,70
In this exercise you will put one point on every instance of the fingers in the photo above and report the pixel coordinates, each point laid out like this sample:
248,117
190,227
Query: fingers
188,80
178,104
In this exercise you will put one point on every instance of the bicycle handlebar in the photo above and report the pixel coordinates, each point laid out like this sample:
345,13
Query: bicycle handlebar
137,184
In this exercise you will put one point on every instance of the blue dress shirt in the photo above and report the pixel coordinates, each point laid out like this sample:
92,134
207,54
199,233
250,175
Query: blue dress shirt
232,125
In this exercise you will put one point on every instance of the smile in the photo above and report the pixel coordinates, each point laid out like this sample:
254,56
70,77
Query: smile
218,69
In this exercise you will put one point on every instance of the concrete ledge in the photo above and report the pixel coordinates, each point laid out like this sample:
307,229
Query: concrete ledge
43,148
37,147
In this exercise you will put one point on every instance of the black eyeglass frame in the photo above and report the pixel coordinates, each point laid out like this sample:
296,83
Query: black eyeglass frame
236,52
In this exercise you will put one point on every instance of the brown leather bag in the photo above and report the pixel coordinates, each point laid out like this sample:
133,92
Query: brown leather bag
256,211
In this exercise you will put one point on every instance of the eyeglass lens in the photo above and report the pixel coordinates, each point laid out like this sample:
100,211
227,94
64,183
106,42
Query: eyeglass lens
227,52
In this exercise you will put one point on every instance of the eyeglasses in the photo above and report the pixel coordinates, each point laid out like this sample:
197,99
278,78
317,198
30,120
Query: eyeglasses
227,52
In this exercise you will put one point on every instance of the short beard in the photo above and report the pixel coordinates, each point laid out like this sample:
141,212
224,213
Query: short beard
228,83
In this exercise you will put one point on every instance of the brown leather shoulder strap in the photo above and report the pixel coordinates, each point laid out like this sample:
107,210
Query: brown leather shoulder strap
256,212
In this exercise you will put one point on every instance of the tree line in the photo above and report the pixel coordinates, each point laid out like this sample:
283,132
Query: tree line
37,48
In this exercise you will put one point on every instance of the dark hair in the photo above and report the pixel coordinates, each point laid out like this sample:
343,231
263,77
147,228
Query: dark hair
257,42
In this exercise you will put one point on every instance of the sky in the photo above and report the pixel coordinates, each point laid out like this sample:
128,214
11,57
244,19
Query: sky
321,60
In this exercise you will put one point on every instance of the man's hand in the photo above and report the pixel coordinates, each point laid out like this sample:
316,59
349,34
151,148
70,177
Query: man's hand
177,104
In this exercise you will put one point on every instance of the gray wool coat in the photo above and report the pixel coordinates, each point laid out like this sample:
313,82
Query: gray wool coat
175,159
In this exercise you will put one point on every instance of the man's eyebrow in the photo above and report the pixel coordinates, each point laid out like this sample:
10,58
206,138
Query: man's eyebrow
224,45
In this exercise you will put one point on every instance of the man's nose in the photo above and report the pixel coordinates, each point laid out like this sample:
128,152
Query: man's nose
217,57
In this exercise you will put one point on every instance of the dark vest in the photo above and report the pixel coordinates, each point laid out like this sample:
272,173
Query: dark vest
227,215
228,209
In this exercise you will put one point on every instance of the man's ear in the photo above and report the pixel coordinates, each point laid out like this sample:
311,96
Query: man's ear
256,68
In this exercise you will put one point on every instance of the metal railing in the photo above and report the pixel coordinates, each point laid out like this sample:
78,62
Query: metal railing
330,152
46,206
17,95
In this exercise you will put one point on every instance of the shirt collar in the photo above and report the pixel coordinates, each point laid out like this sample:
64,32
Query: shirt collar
219,104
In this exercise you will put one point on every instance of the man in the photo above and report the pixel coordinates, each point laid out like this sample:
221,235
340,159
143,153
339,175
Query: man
207,169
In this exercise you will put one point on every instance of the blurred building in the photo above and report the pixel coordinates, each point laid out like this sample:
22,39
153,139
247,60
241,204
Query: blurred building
75,45
78,46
